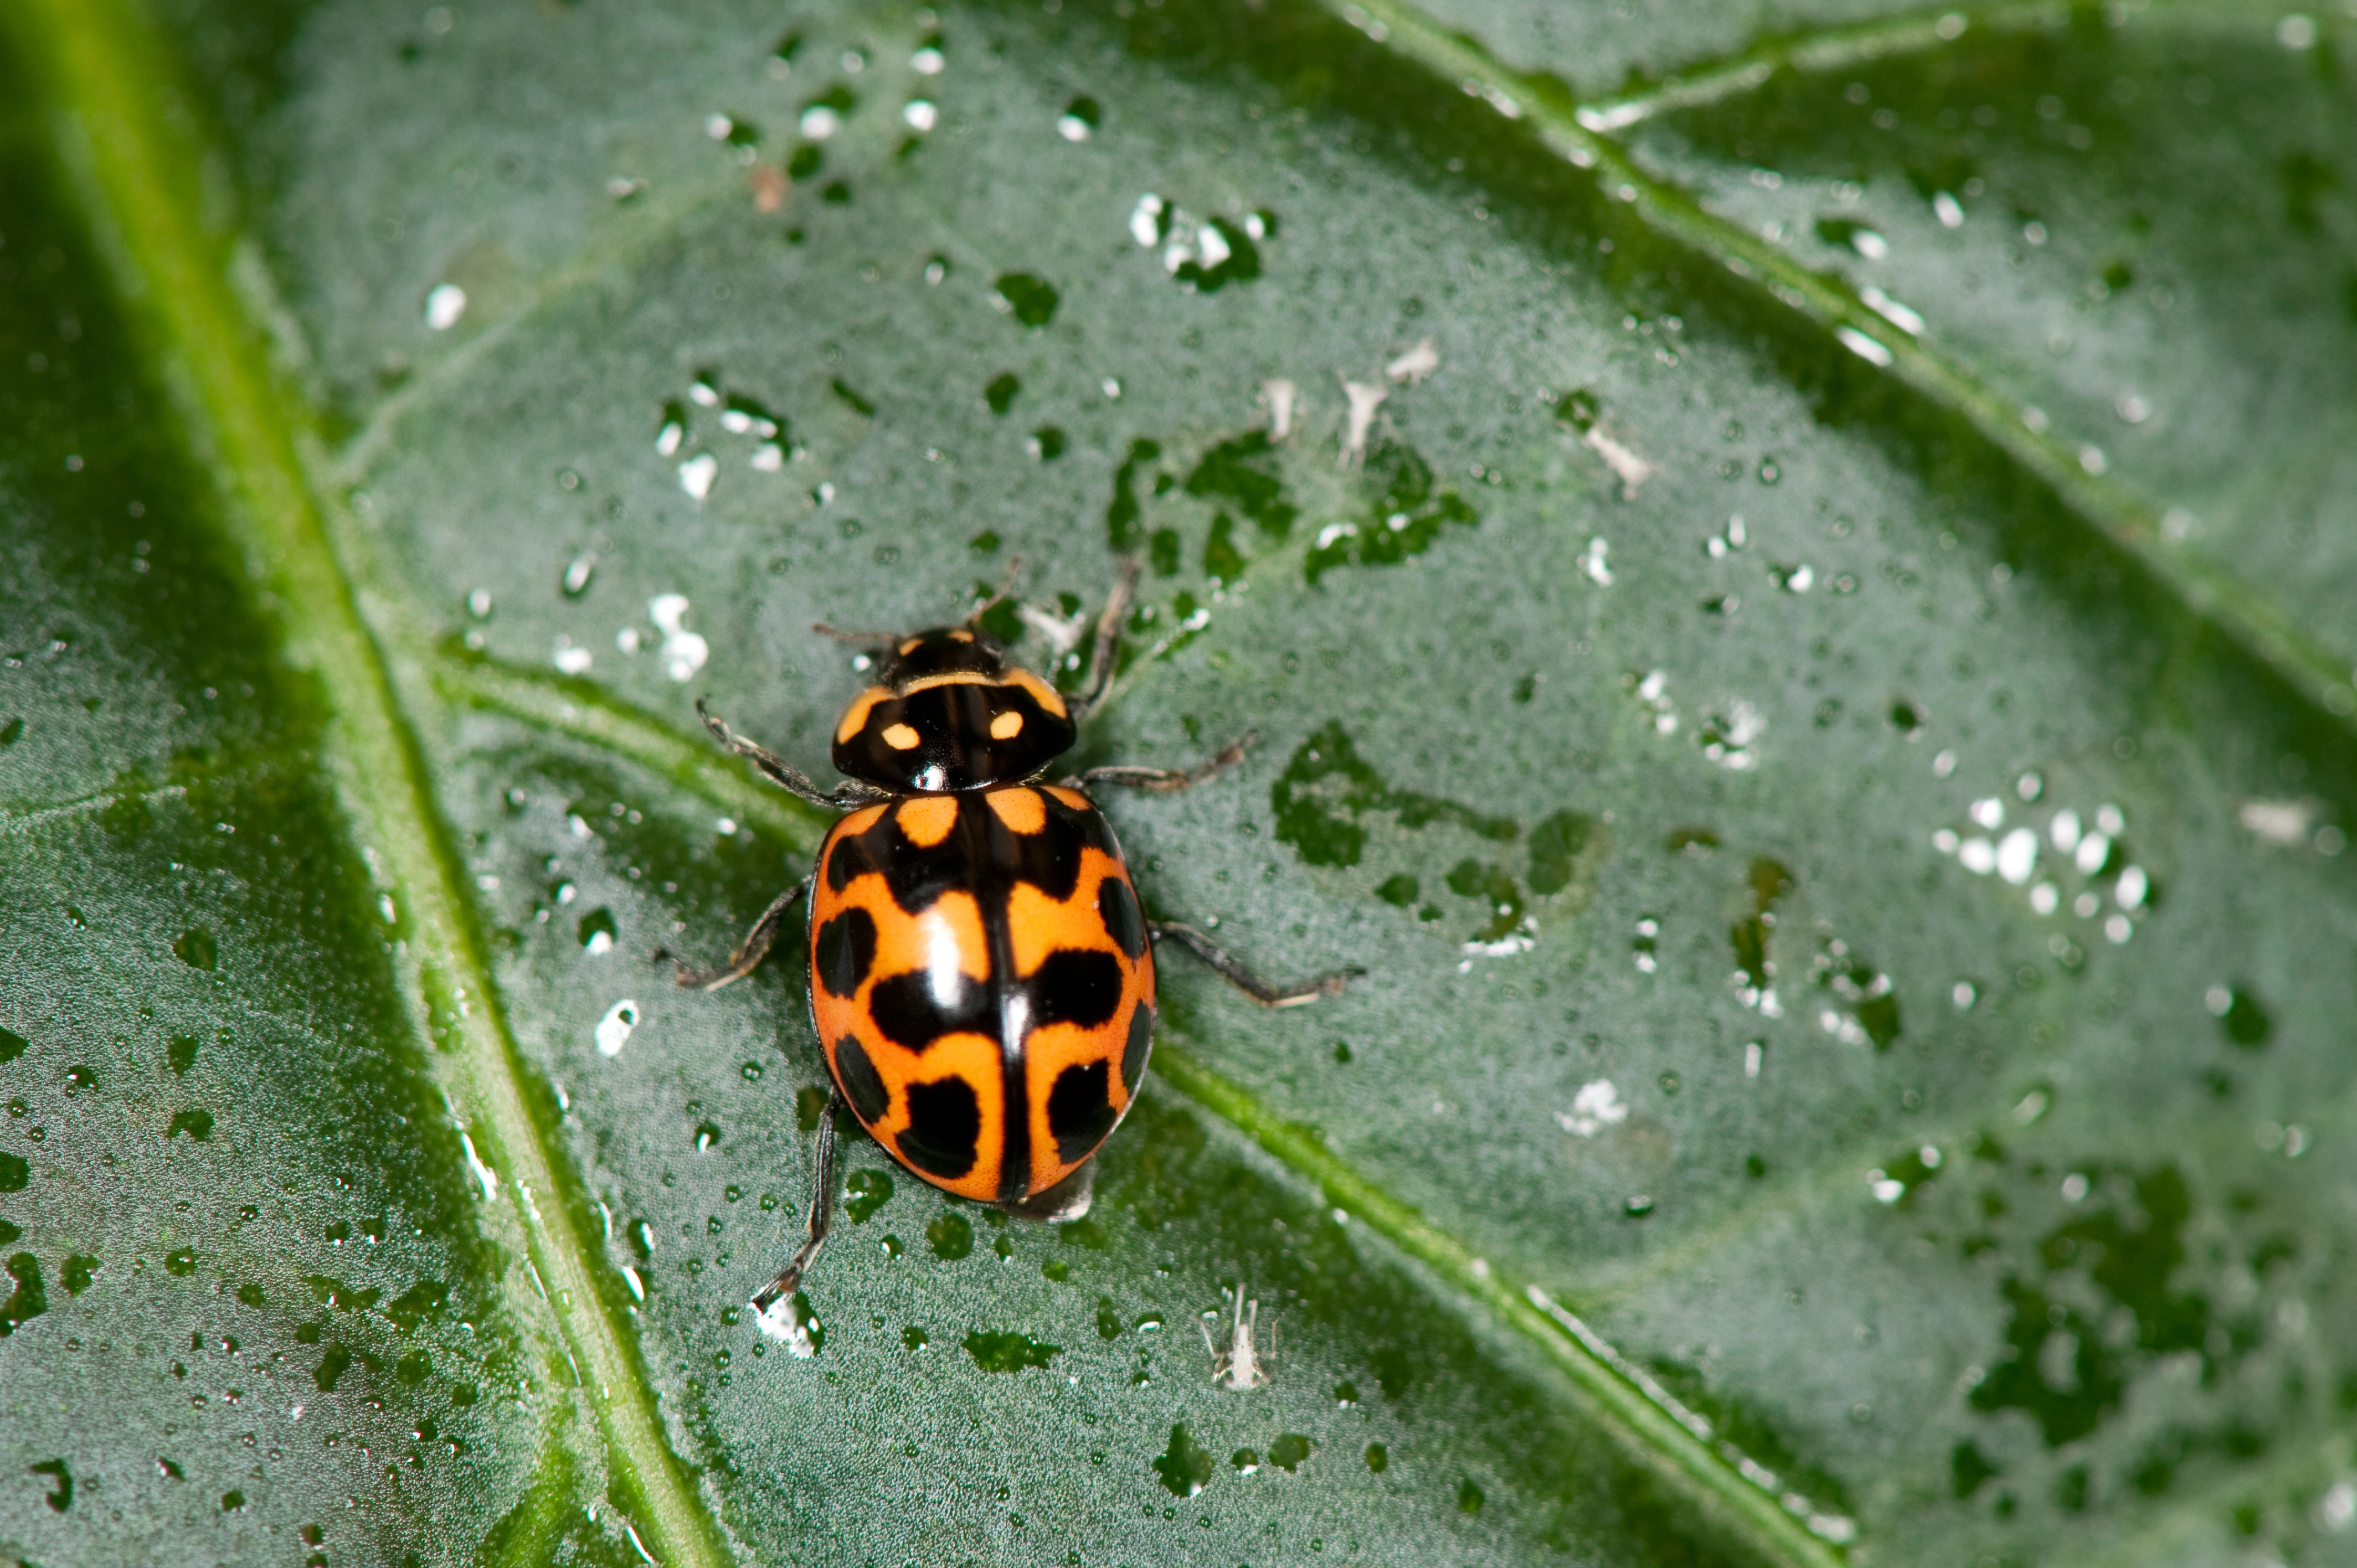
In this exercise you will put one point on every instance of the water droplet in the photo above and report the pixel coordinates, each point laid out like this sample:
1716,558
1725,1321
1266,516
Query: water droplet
1079,120
2297,32
697,475
614,1029
2016,857
927,62
1863,347
920,114
1904,317
684,651
444,303
1948,209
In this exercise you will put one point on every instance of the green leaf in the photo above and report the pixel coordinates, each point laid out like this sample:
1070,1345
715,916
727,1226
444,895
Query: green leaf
1793,593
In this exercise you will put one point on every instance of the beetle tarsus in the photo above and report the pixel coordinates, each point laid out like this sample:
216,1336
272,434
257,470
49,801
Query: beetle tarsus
1105,644
821,1215
751,950
1169,780
1224,964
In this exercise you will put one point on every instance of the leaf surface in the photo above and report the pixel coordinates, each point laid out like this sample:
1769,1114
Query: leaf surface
1850,875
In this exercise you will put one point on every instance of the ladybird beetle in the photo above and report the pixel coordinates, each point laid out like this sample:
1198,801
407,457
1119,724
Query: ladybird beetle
981,970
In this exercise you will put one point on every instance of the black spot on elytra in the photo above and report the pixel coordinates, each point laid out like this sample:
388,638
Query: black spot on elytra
1076,987
1124,921
861,1083
944,1126
1141,1042
1050,859
1078,1113
907,1010
845,951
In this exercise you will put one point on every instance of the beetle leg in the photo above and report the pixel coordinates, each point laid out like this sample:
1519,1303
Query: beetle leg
822,1213
1169,780
1224,965
1105,644
752,949
784,774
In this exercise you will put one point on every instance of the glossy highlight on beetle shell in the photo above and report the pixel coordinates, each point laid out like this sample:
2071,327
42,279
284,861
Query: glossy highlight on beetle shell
982,982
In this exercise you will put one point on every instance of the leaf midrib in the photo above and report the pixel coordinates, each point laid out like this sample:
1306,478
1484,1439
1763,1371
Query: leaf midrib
110,93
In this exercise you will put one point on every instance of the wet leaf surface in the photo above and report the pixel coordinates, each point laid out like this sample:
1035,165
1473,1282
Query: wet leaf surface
1796,624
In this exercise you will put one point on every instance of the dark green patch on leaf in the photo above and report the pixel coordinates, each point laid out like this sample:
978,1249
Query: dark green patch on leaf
60,1497
420,1301
1243,469
1122,529
950,1236
29,1299
865,1193
1327,779
1185,1468
1406,518
1009,1351
1032,300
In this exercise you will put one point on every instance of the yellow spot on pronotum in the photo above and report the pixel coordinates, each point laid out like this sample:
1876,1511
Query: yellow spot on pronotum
1042,692
927,820
901,737
855,717
1007,726
954,678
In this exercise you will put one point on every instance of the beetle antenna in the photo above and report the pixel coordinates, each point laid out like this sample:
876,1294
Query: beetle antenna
1007,586
863,638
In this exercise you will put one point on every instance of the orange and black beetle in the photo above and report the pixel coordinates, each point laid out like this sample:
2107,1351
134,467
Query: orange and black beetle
981,970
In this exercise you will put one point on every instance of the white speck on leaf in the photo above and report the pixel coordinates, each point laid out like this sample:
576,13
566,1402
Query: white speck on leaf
1364,401
1277,395
444,304
1597,1106
1415,365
